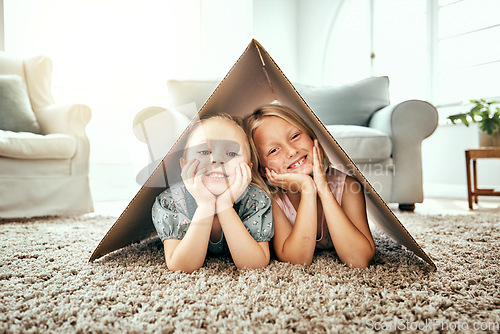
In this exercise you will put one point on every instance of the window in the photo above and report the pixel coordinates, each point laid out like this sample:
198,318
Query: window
469,53
443,51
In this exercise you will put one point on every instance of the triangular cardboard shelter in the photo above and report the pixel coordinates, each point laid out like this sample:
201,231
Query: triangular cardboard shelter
254,80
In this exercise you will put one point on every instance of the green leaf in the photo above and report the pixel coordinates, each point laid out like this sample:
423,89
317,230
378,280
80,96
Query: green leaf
459,117
481,112
485,114
475,112
490,125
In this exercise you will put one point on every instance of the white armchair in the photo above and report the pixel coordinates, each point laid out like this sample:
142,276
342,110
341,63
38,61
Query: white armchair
42,172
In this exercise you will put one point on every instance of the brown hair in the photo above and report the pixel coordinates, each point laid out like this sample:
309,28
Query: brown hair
253,121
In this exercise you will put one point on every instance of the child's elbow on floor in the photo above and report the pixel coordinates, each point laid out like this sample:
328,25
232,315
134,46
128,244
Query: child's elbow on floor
361,262
254,266
300,260
185,269
301,263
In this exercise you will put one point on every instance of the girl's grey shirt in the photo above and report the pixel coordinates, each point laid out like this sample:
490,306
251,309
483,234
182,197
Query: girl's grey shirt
174,208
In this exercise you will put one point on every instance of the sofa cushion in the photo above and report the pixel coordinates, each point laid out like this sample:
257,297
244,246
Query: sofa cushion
351,104
15,108
362,144
25,145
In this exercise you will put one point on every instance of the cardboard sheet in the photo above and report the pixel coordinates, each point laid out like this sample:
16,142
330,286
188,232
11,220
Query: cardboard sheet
254,80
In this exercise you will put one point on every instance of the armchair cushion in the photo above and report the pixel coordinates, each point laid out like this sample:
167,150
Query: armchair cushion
15,109
350,104
25,145
361,143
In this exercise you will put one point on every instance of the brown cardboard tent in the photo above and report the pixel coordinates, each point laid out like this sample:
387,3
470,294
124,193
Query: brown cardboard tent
254,80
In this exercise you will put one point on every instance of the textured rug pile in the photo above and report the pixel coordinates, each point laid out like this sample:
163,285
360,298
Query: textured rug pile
48,285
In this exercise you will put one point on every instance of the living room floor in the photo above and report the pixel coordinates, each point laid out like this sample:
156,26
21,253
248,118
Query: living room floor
431,206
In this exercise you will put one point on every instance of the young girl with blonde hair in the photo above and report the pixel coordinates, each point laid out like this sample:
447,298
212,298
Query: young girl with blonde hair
314,205
216,209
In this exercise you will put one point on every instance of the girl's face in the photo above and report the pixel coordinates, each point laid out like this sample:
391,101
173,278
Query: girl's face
220,146
282,147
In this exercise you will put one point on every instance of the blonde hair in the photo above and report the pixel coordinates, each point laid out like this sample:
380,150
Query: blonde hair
253,121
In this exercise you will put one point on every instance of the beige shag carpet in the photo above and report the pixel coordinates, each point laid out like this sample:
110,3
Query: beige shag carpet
48,286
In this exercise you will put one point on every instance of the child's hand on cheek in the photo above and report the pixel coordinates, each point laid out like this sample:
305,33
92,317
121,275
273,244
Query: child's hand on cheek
243,177
192,180
291,182
319,175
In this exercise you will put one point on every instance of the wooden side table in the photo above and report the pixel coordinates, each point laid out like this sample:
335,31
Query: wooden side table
474,154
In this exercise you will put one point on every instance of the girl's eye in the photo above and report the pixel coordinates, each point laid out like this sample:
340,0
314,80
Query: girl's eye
232,154
205,152
272,151
295,136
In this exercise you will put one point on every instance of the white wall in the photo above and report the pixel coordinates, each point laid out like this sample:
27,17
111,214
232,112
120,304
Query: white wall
275,27
2,35
443,159
316,42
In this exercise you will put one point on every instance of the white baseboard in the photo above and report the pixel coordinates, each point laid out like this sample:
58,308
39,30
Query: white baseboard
444,190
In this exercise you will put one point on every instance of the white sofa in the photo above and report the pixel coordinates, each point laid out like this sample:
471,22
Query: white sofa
383,140
44,164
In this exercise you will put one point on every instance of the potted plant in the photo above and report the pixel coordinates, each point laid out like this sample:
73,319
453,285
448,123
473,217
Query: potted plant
488,116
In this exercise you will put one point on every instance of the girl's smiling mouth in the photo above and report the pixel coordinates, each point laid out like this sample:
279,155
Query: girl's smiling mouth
298,163
216,175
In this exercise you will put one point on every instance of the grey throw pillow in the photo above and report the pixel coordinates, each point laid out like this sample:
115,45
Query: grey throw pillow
351,104
15,108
